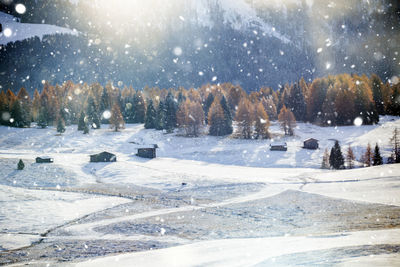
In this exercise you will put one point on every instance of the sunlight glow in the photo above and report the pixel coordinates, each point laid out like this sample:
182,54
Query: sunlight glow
136,22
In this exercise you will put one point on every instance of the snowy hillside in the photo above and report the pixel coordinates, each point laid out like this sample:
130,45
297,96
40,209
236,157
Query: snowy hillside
14,31
204,197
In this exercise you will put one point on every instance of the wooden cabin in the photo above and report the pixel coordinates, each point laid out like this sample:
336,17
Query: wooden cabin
44,160
149,153
278,147
310,143
103,157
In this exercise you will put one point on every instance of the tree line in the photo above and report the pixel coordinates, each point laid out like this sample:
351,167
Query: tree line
327,101
335,159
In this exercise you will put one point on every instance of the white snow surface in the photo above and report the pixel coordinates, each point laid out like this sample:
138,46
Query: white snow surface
26,213
245,252
22,31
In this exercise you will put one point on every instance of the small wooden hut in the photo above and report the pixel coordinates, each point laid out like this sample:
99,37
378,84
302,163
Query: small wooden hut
103,157
44,160
310,143
278,147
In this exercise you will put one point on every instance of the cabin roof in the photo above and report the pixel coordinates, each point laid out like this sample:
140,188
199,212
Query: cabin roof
138,146
103,153
278,144
311,139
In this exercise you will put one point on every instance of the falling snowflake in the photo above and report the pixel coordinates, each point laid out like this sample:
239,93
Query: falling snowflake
358,121
20,8
106,114
328,65
177,51
7,32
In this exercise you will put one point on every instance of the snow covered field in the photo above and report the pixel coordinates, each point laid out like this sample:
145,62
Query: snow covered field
203,201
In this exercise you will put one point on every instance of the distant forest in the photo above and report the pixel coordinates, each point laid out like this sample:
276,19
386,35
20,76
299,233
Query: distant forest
62,57
327,101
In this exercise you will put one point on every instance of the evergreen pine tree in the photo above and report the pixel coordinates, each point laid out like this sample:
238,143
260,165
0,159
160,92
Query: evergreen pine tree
171,108
96,122
20,165
207,105
297,103
394,103
104,105
26,107
17,118
81,122
42,118
336,160
85,128
92,114
150,121
181,98
377,158
65,115
216,120
60,125
160,116
227,115
139,107
129,111
376,85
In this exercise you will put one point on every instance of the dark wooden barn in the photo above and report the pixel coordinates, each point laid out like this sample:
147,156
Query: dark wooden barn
149,152
311,143
44,160
103,157
278,147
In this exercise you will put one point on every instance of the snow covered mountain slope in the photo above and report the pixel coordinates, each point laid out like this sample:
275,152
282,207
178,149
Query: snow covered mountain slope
14,31
238,14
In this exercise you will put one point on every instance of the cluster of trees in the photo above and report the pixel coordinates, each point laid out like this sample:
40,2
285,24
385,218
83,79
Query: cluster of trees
338,100
336,160
333,100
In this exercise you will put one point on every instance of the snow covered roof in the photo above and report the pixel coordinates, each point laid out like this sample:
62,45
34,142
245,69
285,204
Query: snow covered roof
21,31
278,144
311,139
139,146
